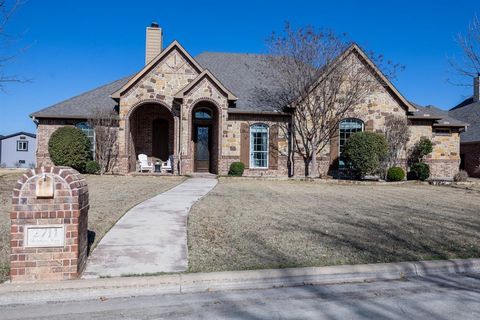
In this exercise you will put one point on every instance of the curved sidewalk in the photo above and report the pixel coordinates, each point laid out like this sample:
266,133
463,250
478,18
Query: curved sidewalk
151,237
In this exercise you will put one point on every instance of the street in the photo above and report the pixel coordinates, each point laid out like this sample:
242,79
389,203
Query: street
435,297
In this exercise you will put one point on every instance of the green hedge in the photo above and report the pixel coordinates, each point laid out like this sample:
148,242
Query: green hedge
236,169
92,167
395,174
69,146
364,151
420,171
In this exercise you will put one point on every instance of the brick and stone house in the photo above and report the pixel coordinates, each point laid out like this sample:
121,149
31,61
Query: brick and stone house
469,112
202,112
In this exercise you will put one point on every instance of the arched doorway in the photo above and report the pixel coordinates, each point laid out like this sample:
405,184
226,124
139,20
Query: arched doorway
205,137
151,127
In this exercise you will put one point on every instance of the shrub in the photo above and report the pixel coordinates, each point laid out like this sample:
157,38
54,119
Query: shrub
395,174
236,169
461,176
69,146
420,171
92,167
364,151
422,148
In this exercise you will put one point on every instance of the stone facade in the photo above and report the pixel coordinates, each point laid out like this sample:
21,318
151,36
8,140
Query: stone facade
67,207
174,85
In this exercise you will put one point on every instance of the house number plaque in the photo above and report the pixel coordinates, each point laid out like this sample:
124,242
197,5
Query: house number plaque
37,236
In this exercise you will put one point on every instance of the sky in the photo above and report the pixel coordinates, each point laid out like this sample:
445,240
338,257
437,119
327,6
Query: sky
65,48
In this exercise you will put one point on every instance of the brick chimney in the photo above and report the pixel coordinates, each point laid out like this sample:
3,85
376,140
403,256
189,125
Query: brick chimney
476,88
153,42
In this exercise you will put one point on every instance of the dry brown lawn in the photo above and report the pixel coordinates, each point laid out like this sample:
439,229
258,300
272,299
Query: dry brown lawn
110,198
248,224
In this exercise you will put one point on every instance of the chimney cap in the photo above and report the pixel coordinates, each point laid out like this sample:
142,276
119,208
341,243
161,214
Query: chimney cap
154,24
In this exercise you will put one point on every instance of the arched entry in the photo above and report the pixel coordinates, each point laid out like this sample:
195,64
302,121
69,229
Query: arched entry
205,137
151,127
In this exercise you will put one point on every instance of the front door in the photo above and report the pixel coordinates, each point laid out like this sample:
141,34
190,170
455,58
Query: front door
202,148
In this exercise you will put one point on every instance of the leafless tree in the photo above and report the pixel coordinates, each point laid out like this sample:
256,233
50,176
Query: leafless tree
7,10
105,126
469,65
319,82
397,134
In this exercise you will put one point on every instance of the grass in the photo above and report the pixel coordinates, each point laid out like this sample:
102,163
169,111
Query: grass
251,224
110,198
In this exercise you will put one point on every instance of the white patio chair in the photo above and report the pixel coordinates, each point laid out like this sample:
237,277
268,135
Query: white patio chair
143,163
167,165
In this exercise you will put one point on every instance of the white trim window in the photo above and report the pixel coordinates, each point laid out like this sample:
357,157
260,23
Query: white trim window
90,133
22,145
259,146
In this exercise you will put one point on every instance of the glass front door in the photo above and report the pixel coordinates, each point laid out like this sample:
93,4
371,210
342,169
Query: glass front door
202,148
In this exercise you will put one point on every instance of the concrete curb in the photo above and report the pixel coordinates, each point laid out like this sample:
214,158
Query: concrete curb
75,290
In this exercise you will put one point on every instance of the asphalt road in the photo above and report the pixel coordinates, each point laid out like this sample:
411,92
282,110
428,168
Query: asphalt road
439,297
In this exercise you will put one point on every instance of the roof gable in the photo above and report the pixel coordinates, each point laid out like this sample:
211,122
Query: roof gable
21,133
205,74
175,45
355,48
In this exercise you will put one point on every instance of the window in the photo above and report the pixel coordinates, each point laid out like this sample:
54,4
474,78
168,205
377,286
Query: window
259,146
347,128
443,132
203,114
22,145
90,133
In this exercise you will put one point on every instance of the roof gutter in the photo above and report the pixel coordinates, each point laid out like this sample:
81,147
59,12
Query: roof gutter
266,113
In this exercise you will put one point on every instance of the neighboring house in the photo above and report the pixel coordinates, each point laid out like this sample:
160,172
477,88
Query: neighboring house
203,113
18,150
469,112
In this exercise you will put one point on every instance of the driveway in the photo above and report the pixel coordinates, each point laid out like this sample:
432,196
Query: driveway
151,237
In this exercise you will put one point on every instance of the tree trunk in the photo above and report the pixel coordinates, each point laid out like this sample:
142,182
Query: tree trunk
313,171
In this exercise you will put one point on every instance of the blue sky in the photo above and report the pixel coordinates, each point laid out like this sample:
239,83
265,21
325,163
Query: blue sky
74,46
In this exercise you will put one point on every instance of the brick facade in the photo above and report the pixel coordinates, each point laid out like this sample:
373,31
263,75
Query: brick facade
470,153
68,208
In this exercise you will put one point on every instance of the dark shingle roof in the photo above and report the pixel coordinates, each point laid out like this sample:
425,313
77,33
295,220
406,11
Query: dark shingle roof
469,112
21,133
85,104
243,74
441,117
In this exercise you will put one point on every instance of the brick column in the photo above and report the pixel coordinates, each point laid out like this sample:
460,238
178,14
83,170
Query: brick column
49,225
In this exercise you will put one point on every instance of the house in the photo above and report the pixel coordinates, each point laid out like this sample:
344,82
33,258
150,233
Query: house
202,112
469,112
18,150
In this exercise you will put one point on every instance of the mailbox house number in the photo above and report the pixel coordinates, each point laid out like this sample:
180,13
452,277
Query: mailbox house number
45,236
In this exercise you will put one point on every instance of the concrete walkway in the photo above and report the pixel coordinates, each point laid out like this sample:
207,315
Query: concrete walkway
151,237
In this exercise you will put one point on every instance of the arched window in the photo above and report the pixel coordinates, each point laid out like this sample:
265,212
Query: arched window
89,132
203,114
347,128
259,146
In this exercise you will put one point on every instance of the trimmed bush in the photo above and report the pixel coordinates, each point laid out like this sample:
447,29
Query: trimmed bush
364,151
461,176
422,148
236,169
92,167
420,171
395,174
70,147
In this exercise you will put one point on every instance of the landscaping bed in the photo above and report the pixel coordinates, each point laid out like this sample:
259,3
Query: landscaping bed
250,224
110,198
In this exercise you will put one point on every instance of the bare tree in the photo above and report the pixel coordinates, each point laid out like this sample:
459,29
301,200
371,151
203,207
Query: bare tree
469,65
397,134
319,82
105,126
6,12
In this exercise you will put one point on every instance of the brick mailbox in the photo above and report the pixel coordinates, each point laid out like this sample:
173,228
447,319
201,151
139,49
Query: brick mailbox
49,225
